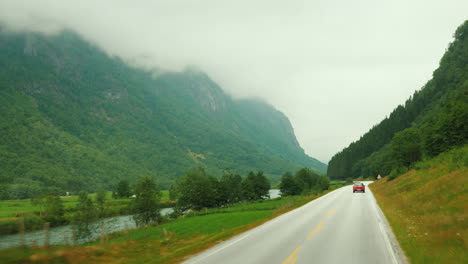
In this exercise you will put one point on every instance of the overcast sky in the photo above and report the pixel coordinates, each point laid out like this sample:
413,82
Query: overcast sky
335,68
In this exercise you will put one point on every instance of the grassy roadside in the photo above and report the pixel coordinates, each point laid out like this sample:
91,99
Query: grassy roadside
337,184
427,208
170,242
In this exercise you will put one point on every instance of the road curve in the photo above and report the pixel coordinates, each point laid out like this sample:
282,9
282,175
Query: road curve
340,227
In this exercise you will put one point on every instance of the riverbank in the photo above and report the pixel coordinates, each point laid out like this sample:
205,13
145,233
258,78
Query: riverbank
169,242
13,212
64,235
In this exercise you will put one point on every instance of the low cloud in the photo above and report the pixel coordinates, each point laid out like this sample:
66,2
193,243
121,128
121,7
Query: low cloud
335,68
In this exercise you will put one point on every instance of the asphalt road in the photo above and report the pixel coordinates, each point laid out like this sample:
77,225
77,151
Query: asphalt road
340,227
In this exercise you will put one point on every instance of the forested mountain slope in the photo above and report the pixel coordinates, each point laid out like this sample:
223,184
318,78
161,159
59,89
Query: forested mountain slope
432,121
72,118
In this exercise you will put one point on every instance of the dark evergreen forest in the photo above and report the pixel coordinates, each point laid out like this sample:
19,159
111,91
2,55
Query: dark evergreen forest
430,122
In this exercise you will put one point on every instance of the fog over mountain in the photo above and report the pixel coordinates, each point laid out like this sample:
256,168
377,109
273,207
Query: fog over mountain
335,68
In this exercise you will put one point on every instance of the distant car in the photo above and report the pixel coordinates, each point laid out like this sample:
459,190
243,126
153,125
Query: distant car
359,187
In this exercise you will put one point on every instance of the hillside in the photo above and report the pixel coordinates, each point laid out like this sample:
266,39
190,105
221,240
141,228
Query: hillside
430,122
428,214
73,118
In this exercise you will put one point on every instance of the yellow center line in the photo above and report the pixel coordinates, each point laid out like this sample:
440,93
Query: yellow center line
318,228
294,260
292,254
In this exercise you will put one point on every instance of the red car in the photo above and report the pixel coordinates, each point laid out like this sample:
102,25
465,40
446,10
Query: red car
359,187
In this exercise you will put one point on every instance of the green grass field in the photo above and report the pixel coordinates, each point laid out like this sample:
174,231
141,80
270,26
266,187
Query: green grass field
164,194
11,208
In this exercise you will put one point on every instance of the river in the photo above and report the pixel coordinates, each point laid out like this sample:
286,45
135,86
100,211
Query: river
64,234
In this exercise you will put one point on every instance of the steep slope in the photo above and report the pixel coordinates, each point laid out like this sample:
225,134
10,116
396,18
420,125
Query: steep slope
252,120
438,114
428,214
71,118
272,130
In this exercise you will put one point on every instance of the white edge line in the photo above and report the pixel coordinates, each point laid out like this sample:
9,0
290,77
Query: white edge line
201,257
384,230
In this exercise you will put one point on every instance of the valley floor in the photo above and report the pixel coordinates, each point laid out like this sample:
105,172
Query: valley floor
170,242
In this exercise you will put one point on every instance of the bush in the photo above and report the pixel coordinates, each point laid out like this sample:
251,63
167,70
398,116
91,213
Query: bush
8,227
31,222
459,158
396,172
289,185
56,220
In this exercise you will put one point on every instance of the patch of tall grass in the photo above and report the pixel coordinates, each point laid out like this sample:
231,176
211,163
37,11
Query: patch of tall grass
426,208
337,184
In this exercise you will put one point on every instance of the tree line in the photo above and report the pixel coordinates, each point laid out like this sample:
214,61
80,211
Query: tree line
196,189
305,181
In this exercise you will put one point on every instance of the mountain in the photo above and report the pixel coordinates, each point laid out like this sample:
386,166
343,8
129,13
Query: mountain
430,122
73,118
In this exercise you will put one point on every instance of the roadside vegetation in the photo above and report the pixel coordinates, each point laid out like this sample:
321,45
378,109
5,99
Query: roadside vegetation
208,210
304,181
196,190
169,242
426,208
337,184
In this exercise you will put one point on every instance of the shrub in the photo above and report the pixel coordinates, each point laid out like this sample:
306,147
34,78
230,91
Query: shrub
396,172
